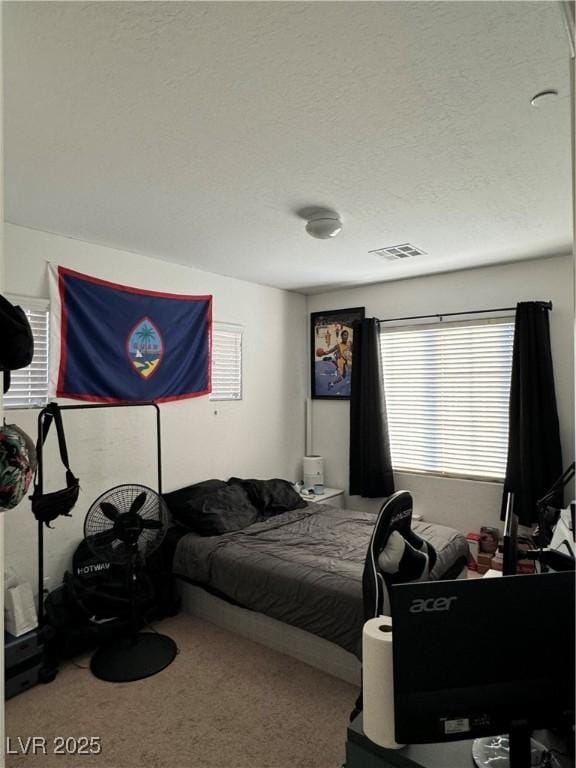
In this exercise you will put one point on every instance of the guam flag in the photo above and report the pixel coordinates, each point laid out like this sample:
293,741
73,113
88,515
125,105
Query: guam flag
121,344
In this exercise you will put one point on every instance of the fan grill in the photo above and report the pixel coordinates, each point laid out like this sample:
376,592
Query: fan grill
99,529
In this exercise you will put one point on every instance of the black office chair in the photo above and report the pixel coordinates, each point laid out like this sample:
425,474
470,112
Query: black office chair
374,591
397,507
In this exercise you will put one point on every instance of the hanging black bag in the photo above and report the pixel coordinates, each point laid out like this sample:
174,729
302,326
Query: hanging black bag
48,506
17,339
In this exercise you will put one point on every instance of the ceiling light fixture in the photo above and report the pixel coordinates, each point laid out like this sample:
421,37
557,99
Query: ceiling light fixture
324,224
544,97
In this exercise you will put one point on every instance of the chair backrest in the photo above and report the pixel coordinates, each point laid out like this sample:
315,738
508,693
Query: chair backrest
374,591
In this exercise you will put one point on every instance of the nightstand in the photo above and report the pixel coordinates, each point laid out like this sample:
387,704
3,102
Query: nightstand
332,496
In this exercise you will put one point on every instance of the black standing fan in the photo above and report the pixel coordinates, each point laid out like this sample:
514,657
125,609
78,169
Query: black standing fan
124,526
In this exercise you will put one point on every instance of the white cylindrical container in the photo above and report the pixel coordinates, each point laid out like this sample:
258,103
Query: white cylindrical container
378,682
313,471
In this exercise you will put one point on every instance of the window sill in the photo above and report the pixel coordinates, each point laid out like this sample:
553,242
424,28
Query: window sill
8,408
449,476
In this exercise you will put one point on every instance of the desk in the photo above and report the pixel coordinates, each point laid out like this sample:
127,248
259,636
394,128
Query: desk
363,753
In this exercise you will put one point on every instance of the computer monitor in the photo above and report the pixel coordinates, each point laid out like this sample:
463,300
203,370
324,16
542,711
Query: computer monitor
510,539
483,657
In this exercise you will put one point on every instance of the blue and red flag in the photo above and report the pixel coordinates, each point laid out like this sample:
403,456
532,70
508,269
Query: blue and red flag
123,344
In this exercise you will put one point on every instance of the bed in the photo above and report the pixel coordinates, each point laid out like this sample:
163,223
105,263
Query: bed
303,567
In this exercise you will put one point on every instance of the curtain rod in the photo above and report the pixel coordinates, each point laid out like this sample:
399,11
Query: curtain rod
544,304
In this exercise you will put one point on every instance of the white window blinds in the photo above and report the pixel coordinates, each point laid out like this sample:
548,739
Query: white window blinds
29,386
447,391
226,362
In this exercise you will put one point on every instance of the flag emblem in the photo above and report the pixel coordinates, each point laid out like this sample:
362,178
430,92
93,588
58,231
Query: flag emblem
145,347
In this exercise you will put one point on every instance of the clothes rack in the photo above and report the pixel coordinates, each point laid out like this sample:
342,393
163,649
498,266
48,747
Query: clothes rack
84,406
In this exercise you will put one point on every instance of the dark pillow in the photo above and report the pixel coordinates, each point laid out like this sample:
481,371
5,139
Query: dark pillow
271,497
211,507
229,509
186,504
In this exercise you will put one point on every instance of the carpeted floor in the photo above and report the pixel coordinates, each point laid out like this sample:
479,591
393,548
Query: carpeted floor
225,702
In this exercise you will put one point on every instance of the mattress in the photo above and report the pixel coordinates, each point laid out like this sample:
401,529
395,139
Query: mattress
302,567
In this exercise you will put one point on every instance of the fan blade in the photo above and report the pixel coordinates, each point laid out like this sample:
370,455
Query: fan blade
138,502
152,525
102,539
110,511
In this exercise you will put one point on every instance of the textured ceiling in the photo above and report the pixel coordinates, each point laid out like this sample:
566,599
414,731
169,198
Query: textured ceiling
195,132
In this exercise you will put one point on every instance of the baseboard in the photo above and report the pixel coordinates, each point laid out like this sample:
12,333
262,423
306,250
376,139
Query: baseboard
281,637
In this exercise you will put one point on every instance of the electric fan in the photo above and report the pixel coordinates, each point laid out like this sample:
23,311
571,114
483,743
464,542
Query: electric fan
125,525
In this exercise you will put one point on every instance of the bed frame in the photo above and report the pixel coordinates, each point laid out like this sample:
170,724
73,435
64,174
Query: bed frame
272,633
275,634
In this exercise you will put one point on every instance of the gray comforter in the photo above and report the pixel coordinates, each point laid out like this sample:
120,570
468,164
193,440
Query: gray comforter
302,567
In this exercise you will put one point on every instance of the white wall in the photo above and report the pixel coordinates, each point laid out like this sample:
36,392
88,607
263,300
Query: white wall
464,504
261,436
2,555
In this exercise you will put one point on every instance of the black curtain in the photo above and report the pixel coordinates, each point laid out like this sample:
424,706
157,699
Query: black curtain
534,451
370,463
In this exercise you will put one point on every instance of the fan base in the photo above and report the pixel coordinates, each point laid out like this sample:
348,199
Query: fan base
134,658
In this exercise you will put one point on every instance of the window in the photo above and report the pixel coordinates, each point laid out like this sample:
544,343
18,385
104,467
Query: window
447,389
226,362
29,386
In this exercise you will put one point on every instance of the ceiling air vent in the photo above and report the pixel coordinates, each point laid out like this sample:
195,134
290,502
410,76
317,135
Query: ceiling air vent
395,252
